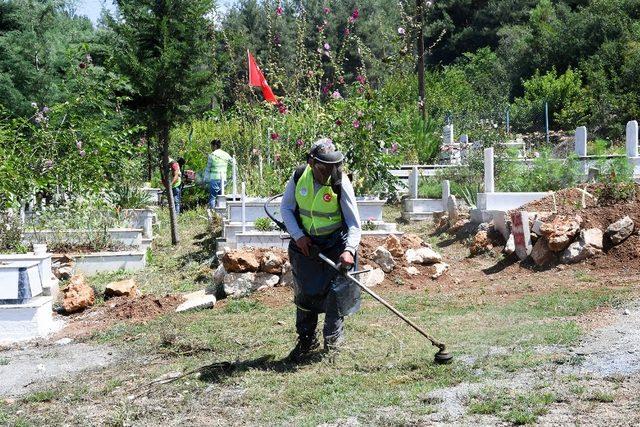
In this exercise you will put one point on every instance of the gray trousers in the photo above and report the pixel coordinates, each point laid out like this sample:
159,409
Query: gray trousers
307,321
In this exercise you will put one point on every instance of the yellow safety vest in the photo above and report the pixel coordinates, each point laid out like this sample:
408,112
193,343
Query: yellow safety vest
319,212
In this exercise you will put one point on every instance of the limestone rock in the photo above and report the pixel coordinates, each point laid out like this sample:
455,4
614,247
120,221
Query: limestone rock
578,251
620,230
78,295
127,288
373,277
287,276
541,254
481,243
458,225
196,300
412,271
271,263
218,275
592,237
413,241
237,285
561,232
452,209
393,245
422,256
383,258
510,246
440,269
240,261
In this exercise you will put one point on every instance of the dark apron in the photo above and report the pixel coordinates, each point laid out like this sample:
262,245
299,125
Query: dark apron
318,287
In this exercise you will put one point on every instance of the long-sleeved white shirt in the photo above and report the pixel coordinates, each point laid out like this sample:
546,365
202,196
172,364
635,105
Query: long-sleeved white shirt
348,205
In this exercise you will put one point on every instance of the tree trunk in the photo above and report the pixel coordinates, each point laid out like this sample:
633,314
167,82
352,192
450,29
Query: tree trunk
149,160
163,138
420,36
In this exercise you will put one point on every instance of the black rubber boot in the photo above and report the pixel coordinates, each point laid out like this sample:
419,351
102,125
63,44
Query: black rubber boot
304,347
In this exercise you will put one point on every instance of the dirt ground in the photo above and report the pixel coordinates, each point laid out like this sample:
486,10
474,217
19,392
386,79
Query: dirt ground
594,380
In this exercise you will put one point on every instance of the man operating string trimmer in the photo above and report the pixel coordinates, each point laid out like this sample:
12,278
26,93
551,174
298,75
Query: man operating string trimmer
320,212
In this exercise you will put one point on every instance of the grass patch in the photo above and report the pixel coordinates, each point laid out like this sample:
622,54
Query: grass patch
521,408
41,396
584,276
601,396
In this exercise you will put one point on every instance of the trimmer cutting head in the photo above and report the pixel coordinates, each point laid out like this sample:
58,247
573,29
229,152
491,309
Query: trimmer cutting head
443,357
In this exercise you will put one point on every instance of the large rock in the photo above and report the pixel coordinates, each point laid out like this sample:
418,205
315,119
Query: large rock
393,245
414,241
541,253
237,285
271,263
561,232
240,261
126,288
383,258
196,301
592,237
78,295
425,256
481,243
620,230
218,275
412,271
510,246
287,276
440,269
373,277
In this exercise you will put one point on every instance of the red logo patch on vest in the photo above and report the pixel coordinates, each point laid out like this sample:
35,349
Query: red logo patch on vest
326,197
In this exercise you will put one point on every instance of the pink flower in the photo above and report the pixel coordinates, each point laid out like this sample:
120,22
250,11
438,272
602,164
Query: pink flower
394,147
356,124
361,79
79,145
360,114
274,136
368,126
326,46
338,122
401,31
326,10
355,14
82,153
282,108
347,32
299,142
341,80
336,94
279,11
255,151
325,89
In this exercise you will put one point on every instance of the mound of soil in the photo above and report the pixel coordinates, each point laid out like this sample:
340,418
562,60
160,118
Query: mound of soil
141,309
598,214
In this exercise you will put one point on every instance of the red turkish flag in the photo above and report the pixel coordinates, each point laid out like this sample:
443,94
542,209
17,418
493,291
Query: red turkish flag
256,78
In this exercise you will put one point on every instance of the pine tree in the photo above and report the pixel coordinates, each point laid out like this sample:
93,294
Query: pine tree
163,47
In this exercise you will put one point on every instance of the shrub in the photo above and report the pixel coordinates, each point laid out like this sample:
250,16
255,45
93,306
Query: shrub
10,233
127,197
263,224
616,181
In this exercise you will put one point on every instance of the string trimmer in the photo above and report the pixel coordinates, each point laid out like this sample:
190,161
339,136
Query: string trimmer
441,357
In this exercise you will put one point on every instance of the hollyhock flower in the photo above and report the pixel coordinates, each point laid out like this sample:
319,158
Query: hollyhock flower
326,10
336,94
338,122
282,108
341,80
299,142
347,31
360,114
394,147
354,15
326,88
275,136
326,46
356,124
45,110
361,79
82,153
401,31
279,11
79,145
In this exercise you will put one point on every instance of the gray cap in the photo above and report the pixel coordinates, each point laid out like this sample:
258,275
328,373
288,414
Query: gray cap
324,151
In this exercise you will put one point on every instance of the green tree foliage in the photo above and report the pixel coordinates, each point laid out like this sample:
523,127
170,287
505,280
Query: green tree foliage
162,47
